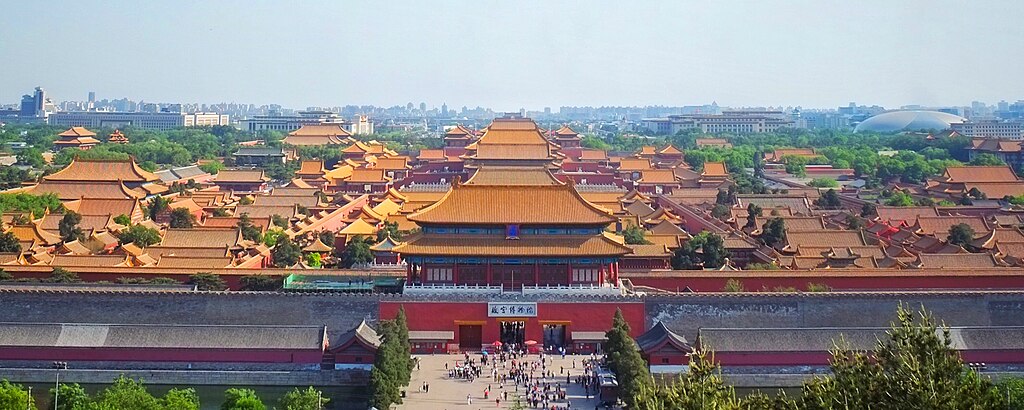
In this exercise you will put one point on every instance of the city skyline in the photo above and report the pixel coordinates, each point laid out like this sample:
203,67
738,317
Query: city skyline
463,53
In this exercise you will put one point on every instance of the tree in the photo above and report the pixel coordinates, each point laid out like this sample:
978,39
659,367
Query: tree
915,367
1013,389
719,211
212,167
180,399
31,204
181,218
261,283
9,243
220,212
753,212
156,206
308,399
405,347
960,234
241,399
854,223
625,361
207,281
722,198
773,232
389,229
14,396
356,252
868,210
829,200
976,193
123,220
140,235
733,285
61,275
68,227
286,253
900,198
126,393
704,250
279,221
313,260
986,159
818,287
634,236
386,374
823,183
72,397
250,232
701,387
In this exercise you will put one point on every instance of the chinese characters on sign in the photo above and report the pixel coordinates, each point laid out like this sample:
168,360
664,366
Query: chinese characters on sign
512,309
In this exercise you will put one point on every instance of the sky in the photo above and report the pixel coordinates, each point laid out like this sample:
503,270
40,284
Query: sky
517,54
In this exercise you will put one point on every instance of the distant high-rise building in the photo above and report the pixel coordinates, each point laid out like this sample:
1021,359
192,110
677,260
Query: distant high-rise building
444,110
423,107
92,96
39,101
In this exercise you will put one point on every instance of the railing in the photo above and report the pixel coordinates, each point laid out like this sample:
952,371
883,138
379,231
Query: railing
449,288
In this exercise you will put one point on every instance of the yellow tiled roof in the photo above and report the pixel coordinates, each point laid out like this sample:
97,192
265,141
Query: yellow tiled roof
511,204
102,170
512,175
490,245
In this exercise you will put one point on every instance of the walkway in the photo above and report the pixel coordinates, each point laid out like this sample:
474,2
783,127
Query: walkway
451,394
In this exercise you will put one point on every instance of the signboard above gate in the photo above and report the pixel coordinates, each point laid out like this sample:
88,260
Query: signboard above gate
512,309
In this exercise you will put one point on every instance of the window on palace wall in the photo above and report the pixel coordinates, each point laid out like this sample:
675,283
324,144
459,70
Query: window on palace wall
584,275
438,274
512,231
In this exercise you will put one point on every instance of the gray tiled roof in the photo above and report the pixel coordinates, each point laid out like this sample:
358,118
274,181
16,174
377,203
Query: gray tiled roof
161,336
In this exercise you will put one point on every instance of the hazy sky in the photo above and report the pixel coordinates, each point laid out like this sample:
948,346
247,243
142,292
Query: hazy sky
512,54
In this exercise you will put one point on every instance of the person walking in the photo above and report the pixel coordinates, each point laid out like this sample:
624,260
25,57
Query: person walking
469,399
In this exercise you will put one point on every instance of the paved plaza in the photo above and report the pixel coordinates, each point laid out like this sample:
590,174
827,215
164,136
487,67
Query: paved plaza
450,393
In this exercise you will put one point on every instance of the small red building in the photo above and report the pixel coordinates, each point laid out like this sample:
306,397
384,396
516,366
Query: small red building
356,348
663,347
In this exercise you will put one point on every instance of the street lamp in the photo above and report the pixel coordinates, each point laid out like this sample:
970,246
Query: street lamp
56,388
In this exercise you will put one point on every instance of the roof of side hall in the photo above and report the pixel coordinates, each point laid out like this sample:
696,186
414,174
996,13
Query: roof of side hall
512,204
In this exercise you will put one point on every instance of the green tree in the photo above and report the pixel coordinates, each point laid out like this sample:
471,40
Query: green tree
824,183
753,212
180,399
220,212
72,397
719,211
986,159
306,399
126,393
701,387
704,250
915,367
61,275
123,219
868,210
207,281
634,235
212,167
181,218
1013,389
14,396
829,200
389,229
773,232
34,204
356,252
733,285
386,374
286,253
854,223
405,347
241,399
9,243
625,361
818,287
156,206
961,234
250,232
261,283
140,235
900,198
279,221
313,260
68,227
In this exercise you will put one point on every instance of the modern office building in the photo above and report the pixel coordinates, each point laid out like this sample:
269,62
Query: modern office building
737,122
1010,130
156,120
287,123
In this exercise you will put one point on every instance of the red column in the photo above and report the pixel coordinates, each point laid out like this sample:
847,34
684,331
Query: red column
408,273
615,268
568,273
455,272
490,279
536,273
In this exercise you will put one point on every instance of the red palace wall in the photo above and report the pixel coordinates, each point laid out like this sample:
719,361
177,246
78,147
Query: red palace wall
161,355
578,317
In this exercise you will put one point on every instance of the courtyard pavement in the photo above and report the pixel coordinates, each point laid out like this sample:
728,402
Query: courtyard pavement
446,393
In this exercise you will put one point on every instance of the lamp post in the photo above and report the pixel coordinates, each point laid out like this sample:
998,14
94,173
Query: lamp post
28,400
56,388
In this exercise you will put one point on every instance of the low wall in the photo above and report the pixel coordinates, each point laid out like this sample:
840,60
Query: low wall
193,377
